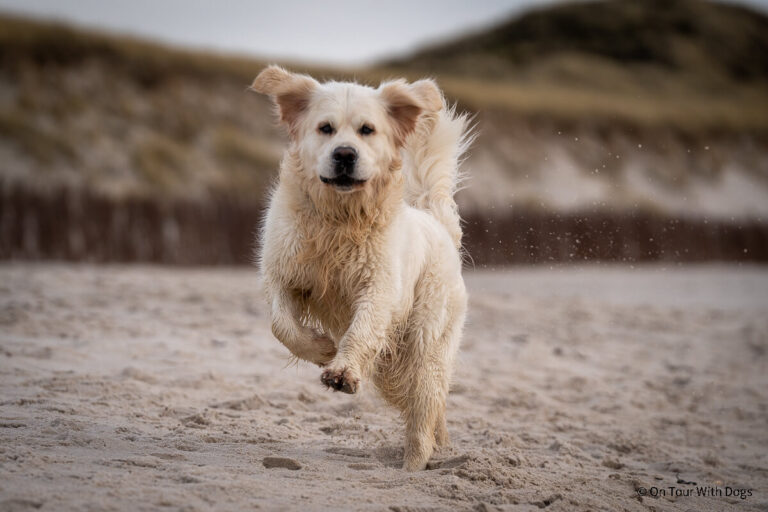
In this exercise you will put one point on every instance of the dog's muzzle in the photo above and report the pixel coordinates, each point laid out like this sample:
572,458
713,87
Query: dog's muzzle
344,159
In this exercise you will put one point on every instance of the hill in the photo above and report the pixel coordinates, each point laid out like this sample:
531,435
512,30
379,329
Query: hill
688,63
581,115
714,42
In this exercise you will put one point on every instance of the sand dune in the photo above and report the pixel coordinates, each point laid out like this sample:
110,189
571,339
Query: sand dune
148,388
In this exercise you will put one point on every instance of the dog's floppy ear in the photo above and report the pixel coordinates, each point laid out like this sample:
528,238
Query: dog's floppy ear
429,94
289,91
406,102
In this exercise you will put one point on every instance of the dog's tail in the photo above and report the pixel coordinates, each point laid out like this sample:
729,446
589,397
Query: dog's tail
432,156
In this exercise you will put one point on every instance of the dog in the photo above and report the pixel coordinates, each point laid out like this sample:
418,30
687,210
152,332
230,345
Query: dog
360,250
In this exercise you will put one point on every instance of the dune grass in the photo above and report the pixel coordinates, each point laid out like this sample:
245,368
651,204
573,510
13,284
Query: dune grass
563,87
45,146
744,109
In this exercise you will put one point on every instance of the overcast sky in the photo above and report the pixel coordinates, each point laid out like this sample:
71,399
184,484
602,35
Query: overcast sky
342,32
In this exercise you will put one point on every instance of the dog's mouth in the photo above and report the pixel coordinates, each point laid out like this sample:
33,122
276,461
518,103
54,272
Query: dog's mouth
343,182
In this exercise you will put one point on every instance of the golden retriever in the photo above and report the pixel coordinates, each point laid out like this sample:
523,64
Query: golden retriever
360,247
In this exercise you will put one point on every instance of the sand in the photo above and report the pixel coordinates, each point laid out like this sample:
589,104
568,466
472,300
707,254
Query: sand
150,388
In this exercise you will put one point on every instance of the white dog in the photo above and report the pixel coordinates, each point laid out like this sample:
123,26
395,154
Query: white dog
360,248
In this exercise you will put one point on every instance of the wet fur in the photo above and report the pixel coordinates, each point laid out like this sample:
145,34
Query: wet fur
368,283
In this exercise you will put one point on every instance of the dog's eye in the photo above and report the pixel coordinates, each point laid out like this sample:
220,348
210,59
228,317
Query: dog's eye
326,128
366,130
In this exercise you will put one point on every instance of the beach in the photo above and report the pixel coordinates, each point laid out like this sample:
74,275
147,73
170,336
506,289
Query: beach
587,387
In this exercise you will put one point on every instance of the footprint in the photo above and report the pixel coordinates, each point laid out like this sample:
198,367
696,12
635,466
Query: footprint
20,505
244,404
348,452
361,466
281,462
169,456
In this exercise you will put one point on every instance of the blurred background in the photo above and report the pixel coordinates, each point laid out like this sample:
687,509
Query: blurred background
609,130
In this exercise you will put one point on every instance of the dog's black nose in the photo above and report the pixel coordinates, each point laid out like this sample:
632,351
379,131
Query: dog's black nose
344,157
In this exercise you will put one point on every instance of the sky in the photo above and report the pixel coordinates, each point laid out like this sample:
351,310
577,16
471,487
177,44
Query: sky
338,32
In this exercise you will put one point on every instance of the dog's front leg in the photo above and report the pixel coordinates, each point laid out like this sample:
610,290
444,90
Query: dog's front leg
364,339
303,342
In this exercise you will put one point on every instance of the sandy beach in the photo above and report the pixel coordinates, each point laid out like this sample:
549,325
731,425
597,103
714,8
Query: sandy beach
577,388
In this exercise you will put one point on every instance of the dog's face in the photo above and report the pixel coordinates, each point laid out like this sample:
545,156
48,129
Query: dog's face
347,134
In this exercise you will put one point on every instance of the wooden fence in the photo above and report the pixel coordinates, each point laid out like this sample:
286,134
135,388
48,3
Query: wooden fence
80,226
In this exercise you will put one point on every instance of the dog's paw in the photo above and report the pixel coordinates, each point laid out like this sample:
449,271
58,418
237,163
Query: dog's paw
340,380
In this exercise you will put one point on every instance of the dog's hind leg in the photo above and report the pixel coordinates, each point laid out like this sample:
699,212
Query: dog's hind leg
449,344
442,438
428,362
448,347
422,409
425,365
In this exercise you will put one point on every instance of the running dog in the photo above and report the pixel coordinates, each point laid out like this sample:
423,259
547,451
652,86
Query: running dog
361,245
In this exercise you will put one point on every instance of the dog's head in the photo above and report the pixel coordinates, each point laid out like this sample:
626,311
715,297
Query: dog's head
347,134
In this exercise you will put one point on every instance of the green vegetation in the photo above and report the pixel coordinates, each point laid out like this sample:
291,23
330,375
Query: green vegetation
690,64
741,108
687,63
25,42
598,119
44,146
136,117
707,40
234,148
161,163
249,161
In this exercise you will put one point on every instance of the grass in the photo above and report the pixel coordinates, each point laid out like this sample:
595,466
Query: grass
141,118
745,109
161,163
155,122
24,41
44,146
233,148
247,162
561,87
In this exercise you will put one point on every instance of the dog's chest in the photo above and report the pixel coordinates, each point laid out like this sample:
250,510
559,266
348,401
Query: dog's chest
333,310
331,280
